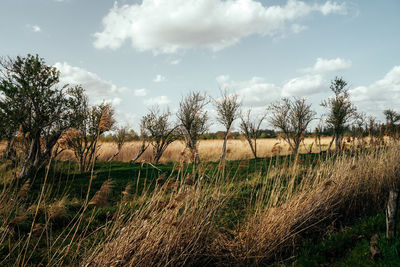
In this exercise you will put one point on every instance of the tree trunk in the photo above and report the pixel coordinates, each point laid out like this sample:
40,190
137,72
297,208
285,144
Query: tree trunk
391,212
331,143
223,155
29,158
142,150
338,143
157,156
255,148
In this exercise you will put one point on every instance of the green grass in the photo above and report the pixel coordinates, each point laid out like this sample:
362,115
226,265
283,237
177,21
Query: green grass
351,246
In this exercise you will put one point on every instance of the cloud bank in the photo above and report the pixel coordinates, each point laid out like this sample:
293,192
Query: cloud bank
167,26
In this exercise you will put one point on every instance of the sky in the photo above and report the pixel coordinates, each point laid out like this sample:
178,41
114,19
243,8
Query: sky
137,54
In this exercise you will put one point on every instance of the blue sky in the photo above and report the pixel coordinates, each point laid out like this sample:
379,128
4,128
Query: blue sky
140,53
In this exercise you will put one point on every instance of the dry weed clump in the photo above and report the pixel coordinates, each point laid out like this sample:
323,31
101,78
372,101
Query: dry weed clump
58,209
100,199
176,231
343,188
24,191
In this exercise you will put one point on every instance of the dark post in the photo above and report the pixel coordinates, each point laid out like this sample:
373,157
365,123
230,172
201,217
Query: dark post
391,212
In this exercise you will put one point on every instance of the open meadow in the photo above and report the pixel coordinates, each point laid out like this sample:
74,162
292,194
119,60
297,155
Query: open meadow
273,210
209,150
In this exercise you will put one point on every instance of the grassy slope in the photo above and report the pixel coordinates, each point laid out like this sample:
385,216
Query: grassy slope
351,246
348,247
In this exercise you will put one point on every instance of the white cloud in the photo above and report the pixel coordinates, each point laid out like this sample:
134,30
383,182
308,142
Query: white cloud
34,28
158,101
330,7
140,92
175,62
297,28
166,26
257,92
96,88
328,65
380,95
304,85
159,78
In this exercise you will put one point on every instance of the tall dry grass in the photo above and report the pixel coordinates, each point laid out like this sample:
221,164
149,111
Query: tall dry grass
289,204
179,223
209,150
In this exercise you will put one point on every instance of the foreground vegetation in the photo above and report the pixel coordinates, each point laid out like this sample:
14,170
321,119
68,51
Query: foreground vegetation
250,212
93,210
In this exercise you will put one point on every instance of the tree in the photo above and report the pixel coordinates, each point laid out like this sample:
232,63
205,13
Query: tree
292,118
340,111
120,137
227,111
192,120
83,139
392,119
251,129
33,104
158,130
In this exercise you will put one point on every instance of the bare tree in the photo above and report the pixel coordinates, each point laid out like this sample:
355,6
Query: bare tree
318,133
158,130
359,129
193,121
340,111
227,111
119,138
83,140
251,129
373,129
292,118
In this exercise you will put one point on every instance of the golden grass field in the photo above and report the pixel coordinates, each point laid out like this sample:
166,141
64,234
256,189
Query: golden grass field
210,150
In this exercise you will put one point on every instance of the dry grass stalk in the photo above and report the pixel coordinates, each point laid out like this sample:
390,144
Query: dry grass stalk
127,193
172,232
58,209
18,220
24,191
100,199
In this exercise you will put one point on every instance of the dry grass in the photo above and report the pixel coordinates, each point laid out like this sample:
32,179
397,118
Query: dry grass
180,229
210,150
177,223
341,190
100,199
165,230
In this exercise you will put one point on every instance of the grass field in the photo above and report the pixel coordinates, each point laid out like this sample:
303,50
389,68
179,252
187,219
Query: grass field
311,210
209,150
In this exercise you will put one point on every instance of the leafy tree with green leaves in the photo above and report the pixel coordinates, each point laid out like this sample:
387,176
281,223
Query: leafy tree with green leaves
33,103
